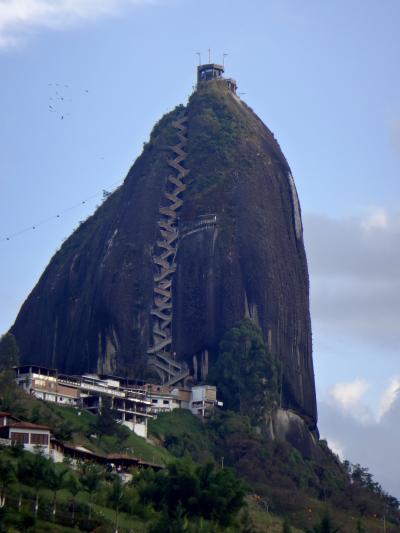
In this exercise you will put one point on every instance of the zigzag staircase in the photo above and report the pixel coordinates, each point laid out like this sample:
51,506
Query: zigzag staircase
160,356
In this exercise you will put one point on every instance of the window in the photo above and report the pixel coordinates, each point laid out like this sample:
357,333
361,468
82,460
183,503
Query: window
153,401
41,439
165,402
21,438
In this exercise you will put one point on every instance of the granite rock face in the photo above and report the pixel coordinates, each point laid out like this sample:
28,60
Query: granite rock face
240,254
286,426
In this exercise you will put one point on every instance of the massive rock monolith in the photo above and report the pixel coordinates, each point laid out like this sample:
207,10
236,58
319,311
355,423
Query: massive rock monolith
239,254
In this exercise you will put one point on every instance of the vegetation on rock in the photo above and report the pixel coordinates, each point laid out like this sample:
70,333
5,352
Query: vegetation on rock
245,372
9,351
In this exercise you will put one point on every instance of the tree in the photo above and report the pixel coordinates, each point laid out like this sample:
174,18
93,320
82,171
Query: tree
17,449
9,352
245,372
34,471
221,494
7,476
74,487
3,528
198,492
90,479
105,423
166,524
360,528
55,482
286,528
115,498
246,523
63,430
325,526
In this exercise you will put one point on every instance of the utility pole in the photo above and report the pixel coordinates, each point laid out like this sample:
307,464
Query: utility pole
223,58
209,55
198,53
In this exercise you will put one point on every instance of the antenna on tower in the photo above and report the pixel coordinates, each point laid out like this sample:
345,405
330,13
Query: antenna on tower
223,58
198,53
209,55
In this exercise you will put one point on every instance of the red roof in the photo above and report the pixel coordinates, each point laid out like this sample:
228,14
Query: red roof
8,415
27,425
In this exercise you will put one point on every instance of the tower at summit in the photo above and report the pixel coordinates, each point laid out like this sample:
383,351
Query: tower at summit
212,71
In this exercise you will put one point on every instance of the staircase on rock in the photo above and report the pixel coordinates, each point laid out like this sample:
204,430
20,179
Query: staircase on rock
159,354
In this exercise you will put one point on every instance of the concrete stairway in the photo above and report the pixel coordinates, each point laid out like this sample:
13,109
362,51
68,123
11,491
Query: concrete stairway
160,352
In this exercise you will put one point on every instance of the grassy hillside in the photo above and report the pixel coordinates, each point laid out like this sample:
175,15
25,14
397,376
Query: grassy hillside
27,479
278,480
75,505
76,427
277,476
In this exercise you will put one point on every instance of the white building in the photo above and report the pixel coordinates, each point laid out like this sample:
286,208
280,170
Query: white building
128,400
33,437
44,384
162,399
200,399
203,399
133,404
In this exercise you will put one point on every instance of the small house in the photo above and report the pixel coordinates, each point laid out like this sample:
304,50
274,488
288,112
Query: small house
204,399
33,437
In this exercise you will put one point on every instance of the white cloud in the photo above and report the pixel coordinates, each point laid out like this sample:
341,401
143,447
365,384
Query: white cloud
16,16
378,219
349,394
373,443
336,447
389,397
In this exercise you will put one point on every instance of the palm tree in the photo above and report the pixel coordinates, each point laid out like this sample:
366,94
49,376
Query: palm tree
90,478
55,482
74,487
115,498
7,476
34,470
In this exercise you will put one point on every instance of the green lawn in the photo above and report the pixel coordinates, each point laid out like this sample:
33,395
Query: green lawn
178,422
183,434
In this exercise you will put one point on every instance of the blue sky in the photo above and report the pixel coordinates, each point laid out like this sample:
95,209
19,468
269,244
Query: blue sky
322,75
